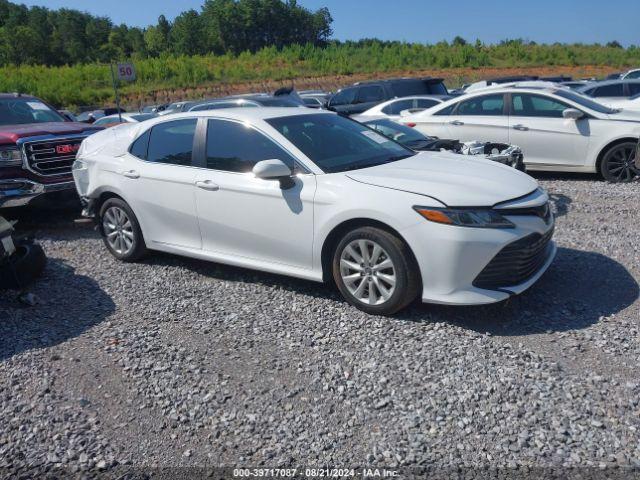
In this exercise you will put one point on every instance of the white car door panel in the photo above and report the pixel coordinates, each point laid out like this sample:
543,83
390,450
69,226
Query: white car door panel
160,184
483,128
245,216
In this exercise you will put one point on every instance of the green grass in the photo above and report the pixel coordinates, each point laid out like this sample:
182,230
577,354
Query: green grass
91,83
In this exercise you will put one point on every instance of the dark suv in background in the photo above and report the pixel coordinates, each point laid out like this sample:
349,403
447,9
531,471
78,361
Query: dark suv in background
364,95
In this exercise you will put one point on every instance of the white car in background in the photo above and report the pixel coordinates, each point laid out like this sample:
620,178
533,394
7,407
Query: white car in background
611,90
556,128
111,120
314,195
395,107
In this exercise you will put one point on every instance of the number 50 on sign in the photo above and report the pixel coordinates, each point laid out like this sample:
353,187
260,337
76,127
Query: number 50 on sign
126,72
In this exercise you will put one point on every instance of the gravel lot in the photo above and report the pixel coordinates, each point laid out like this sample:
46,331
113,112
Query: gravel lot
174,362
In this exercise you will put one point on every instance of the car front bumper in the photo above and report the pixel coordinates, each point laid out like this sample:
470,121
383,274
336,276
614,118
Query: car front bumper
451,259
19,192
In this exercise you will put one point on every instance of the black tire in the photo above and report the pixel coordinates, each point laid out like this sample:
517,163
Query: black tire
406,272
618,163
139,249
23,267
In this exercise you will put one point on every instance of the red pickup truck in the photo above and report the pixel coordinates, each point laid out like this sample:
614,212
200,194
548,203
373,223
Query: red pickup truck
37,148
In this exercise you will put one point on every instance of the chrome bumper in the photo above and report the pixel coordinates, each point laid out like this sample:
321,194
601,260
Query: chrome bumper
19,192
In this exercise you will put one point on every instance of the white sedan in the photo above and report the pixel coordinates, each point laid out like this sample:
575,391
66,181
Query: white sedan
556,128
321,197
395,107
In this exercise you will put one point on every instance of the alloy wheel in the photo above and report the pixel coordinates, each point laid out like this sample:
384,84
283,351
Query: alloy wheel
118,230
621,163
368,272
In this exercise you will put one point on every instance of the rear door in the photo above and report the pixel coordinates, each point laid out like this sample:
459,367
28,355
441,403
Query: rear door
482,118
159,182
544,135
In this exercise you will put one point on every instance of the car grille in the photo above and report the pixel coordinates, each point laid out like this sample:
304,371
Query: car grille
542,211
516,263
52,157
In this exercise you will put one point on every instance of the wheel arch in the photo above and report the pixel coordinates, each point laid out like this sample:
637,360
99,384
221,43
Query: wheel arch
333,238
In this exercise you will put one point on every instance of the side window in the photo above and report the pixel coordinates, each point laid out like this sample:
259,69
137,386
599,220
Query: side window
634,74
370,93
425,103
634,89
344,97
234,147
489,105
446,110
614,90
140,145
172,142
527,105
396,107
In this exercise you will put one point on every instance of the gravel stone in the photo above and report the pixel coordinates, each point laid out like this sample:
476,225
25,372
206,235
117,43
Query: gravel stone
172,362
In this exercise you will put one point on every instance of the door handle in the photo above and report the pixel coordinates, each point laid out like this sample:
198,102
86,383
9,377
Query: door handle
520,127
456,122
131,174
207,185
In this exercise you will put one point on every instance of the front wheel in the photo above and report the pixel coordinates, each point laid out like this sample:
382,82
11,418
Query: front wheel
375,271
618,163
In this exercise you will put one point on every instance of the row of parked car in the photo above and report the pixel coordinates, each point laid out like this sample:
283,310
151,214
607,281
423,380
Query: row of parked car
364,201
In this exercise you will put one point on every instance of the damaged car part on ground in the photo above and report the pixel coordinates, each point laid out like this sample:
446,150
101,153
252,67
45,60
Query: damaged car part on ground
510,155
21,260
357,207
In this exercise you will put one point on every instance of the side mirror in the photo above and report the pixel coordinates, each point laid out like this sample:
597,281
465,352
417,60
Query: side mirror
572,114
274,170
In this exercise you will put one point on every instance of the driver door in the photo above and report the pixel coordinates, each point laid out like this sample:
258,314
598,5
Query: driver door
244,216
538,127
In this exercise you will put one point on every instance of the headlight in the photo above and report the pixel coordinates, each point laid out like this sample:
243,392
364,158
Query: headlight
78,165
10,156
465,217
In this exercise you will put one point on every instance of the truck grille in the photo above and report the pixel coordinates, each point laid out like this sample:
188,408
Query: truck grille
52,157
516,263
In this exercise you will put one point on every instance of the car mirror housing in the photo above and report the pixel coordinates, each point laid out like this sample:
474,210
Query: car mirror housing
572,113
274,170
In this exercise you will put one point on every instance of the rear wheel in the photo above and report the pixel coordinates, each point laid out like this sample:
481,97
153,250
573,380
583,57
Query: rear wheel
618,163
121,231
375,271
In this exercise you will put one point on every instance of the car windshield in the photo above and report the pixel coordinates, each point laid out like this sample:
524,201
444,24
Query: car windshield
584,101
400,133
337,144
18,111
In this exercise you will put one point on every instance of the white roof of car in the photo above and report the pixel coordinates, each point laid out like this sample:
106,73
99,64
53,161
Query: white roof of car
248,114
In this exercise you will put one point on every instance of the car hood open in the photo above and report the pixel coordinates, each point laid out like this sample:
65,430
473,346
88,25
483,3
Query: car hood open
455,180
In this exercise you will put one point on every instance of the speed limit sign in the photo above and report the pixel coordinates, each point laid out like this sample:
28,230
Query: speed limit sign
126,71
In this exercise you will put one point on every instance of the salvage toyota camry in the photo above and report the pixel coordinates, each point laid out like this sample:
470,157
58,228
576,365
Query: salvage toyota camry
318,196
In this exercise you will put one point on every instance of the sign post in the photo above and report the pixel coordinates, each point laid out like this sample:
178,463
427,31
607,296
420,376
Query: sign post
126,72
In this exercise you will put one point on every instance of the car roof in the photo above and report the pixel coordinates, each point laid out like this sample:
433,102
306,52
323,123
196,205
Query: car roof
614,82
250,114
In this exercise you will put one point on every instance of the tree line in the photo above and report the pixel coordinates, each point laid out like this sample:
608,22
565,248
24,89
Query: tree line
40,36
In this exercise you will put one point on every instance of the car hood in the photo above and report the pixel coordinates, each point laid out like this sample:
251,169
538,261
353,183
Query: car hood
455,180
10,134
625,114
